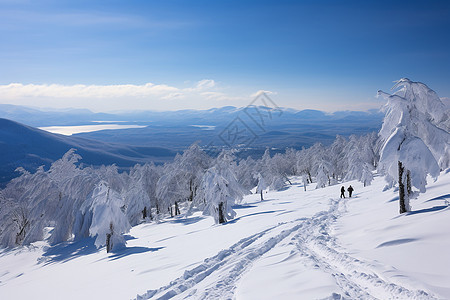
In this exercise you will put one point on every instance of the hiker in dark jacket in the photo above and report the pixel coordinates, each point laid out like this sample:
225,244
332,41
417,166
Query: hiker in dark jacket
350,191
342,192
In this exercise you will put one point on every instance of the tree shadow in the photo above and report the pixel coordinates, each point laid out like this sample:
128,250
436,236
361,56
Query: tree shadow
426,210
442,197
129,237
396,242
285,212
132,250
186,221
396,198
66,251
254,214
242,206
285,188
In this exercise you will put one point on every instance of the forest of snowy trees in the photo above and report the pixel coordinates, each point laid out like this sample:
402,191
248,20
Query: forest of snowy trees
78,201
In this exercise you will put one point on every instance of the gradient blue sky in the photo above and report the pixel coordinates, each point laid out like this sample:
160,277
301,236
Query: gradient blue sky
328,55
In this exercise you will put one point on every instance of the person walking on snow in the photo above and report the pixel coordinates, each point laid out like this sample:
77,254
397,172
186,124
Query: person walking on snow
342,192
350,191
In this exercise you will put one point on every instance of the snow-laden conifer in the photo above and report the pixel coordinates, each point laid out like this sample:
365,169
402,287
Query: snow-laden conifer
413,144
109,222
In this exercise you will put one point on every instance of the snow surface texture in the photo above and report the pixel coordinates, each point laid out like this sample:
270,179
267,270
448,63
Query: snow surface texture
292,245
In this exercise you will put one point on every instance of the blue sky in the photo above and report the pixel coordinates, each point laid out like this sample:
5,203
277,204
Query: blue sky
327,55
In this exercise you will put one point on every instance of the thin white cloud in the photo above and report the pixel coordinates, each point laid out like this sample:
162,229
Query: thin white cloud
200,95
18,90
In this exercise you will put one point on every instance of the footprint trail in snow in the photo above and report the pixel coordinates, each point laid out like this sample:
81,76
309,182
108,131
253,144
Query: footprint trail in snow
217,276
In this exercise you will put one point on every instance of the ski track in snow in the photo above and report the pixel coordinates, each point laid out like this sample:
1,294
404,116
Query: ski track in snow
311,237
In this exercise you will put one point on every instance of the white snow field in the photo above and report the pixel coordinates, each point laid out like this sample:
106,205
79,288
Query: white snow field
293,245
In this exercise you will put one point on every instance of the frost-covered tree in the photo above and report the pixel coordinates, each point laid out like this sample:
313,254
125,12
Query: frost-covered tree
413,145
246,173
322,167
359,159
366,175
305,181
262,185
181,179
337,154
218,196
46,198
305,162
322,177
140,192
271,168
108,222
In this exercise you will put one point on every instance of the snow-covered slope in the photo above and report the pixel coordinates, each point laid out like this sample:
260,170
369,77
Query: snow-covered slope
293,245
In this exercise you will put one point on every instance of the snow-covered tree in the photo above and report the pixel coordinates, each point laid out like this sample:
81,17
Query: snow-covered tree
273,170
246,173
262,185
108,218
305,162
181,179
140,196
305,181
413,146
218,196
322,167
321,177
366,175
337,154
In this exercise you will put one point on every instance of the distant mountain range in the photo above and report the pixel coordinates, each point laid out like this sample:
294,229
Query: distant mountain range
250,129
259,128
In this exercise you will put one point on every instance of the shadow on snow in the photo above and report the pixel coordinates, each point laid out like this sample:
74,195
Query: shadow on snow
186,221
443,197
254,214
427,210
66,251
132,250
396,242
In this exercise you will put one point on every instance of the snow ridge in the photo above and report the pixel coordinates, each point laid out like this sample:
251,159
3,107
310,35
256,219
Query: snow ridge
217,276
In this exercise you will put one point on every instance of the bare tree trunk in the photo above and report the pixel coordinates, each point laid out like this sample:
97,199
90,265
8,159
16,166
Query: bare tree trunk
144,213
109,244
262,195
177,209
157,208
287,178
221,213
191,194
22,223
408,183
401,188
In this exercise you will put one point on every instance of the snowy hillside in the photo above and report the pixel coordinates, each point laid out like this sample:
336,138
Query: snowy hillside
28,147
292,245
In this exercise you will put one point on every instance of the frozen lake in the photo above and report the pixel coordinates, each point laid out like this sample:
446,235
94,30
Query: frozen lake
69,130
